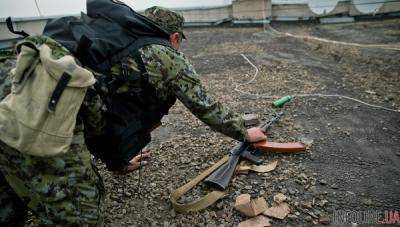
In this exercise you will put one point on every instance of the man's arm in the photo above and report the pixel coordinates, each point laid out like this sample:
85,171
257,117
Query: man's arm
171,69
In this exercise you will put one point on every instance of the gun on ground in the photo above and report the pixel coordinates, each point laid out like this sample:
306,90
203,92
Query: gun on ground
221,177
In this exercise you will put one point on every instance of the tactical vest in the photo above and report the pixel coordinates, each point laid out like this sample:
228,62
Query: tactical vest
109,34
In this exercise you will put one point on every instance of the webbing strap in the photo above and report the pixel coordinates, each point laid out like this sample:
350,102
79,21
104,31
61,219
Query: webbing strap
11,28
203,202
55,97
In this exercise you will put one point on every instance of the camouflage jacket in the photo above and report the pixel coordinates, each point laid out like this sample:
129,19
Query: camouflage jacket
172,75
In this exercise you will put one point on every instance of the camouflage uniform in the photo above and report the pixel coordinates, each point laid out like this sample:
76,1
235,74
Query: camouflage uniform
65,190
171,73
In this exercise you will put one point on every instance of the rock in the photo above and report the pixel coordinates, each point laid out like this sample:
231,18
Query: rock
280,211
367,202
280,198
259,221
307,205
220,205
324,220
248,187
251,120
323,202
265,168
292,191
243,169
312,189
322,182
173,213
221,214
251,208
307,141
302,176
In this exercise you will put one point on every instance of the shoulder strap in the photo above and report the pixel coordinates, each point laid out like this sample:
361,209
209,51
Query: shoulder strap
133,50
134,47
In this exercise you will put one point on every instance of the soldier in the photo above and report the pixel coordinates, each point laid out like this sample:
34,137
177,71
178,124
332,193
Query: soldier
67,189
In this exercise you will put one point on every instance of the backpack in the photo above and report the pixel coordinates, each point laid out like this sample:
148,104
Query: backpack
104,36
38,117
100,39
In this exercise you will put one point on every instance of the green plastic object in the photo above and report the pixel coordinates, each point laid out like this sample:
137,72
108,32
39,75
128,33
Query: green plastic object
282,101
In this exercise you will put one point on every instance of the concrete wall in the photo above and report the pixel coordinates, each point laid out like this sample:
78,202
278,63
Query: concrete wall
285,10
251,9
387,7
303,11
207,15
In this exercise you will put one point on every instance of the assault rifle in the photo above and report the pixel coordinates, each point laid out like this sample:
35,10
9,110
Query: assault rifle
221,177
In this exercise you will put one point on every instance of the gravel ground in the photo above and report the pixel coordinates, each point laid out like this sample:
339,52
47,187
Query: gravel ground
352,163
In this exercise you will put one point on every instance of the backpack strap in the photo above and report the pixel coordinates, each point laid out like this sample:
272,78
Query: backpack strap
55,97
134,47
11,28
133,51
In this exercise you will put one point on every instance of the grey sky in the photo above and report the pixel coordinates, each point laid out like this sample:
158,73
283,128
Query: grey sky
27,8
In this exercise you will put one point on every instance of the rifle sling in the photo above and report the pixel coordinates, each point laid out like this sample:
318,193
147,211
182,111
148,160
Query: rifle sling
203,202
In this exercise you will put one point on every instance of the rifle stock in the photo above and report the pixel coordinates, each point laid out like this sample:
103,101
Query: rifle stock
221,177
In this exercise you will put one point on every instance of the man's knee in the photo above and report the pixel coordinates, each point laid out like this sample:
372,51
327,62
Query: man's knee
73,198
61,190
12,210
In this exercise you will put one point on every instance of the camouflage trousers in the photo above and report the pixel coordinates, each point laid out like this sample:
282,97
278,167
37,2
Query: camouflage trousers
64,190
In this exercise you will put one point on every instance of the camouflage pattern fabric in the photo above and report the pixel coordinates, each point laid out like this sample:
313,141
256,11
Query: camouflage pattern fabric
64,190
171,74
6,64
167,19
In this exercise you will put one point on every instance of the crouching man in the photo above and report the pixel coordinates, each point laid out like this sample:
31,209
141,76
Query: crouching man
126,74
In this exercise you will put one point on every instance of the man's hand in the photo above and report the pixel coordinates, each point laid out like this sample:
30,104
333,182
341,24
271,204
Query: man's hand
134,164
255,135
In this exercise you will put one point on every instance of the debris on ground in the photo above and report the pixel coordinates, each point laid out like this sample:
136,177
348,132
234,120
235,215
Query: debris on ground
259,221
324,220
280,198
251,120
250,207
244,168
279,211
264,168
